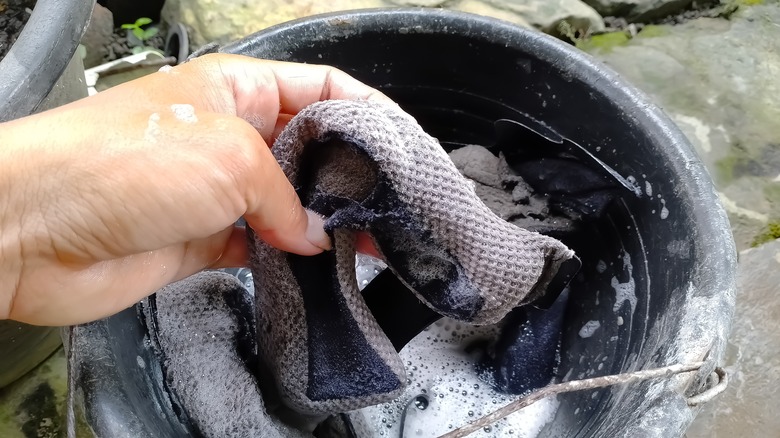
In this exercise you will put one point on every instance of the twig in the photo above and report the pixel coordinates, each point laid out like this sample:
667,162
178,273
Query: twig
574,385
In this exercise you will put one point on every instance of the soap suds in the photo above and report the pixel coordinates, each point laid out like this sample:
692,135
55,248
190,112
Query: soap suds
152,128
165,69
445,391
625,291
589,328
184,112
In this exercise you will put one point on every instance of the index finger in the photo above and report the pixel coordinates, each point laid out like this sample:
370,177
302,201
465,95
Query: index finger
267,91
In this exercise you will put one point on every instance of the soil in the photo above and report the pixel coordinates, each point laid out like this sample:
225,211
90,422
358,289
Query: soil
118,46
13,16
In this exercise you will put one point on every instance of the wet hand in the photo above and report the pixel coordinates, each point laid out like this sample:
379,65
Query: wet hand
107,199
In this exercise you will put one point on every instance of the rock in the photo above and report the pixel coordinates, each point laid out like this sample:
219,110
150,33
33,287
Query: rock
224,20
97,37
419,3
227,20
639,10
487,9
717,79
546,14
748,407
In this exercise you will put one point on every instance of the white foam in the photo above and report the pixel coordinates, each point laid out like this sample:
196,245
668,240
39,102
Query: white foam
648,188
165,69
439,369
152,128
625,291
184,112
589,328
664,210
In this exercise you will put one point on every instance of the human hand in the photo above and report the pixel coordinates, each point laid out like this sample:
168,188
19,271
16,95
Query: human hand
107,199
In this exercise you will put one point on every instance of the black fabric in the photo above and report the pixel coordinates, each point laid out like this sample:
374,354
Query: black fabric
336,369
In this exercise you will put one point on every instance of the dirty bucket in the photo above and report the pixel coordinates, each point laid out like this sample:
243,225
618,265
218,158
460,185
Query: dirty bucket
39,72
658,275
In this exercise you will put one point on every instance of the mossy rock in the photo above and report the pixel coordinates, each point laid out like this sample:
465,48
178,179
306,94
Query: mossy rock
770,233
604,42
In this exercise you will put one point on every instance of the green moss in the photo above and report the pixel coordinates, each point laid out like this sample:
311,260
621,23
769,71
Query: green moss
770,233
736,164
604,42
652,31
772,193
750,2
724,169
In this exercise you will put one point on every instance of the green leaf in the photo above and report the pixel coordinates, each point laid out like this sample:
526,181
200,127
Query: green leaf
139,33
138,49
143,21
129,26
152,31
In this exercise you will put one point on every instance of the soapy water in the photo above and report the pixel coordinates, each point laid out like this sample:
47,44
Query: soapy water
445,390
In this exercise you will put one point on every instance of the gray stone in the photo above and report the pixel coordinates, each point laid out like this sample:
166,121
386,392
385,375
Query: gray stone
748,407
638,10
225,20
718,79
548,14
97,36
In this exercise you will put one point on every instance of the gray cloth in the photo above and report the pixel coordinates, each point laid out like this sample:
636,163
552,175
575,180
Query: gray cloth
198,327
506,193
369,166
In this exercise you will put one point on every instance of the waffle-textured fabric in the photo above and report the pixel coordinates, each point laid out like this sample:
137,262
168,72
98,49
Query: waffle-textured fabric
368,166
202,330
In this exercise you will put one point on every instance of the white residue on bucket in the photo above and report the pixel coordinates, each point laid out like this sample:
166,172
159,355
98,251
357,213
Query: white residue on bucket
648,188
444,391
589,328
625,291
634,184
664,210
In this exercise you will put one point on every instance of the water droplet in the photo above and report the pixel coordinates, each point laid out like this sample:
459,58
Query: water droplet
421,402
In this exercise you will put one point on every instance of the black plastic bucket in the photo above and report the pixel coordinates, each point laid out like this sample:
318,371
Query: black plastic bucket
658,270
40,72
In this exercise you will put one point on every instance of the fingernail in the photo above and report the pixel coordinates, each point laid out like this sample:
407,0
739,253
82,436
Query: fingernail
315,231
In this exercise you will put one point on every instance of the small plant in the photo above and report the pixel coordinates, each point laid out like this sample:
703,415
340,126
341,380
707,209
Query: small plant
142,34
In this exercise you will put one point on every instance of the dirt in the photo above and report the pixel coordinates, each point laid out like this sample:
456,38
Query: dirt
119,47
13,16
15,13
